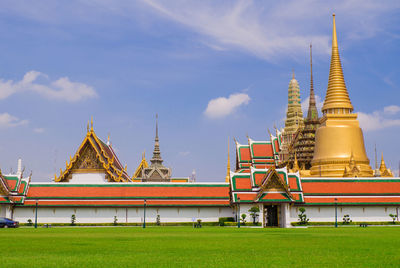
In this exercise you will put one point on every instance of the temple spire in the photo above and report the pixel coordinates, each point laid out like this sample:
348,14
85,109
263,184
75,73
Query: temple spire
312,106
156,127
228,166
337,96
156,160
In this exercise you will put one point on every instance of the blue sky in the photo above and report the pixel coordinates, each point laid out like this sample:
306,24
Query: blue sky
210,69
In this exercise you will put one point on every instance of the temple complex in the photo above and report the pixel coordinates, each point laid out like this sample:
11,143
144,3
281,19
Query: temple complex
304,144
339,141
294,119
330,181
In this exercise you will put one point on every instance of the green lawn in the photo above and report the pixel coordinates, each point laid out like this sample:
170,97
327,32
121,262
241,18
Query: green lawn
205,247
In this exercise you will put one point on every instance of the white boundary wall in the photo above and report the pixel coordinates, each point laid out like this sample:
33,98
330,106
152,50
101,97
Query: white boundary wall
124,215
288,213
356,213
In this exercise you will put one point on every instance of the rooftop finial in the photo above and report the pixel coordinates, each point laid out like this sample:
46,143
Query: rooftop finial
228,166
91,124
108,139
292,73
156,126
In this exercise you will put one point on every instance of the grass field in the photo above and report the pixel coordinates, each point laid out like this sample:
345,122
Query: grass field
205,247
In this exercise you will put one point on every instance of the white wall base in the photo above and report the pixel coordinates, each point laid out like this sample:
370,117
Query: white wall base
124,215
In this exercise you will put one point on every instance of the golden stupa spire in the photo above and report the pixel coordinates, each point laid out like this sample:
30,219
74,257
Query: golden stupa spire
337,97
228,166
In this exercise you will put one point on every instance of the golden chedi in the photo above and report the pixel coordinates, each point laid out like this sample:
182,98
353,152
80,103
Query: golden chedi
339,140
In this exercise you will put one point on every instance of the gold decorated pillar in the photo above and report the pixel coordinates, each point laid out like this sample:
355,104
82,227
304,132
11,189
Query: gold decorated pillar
339,139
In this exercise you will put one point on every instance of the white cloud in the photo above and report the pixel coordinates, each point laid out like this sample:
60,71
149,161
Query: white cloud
379,119
272,29
8,121
392,109
60,89
305,103
186,153
38,130
267,29
222,107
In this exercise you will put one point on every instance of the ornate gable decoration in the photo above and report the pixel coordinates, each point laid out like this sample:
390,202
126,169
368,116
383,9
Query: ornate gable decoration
273,182
138,173
4,189
94,156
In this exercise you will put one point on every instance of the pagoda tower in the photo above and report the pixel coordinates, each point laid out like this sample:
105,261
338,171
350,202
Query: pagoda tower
304,145
294,119
339,141
156,172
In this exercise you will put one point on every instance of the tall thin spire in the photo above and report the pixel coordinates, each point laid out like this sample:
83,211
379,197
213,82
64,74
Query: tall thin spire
156,160
228,166
312,113
337,96
156,127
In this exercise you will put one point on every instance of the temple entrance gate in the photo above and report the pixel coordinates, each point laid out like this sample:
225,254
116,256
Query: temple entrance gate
271,215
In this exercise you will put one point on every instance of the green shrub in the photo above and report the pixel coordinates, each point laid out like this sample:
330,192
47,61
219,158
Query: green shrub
394,217
222,220
303,217
346,219
115,223
158,220
244,219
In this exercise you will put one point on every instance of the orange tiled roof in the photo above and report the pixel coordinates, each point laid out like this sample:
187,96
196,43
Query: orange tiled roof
129,194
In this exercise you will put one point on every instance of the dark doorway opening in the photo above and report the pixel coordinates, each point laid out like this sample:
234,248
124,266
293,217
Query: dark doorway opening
271,216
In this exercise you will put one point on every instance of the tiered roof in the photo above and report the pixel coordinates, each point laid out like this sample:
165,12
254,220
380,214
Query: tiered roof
13,188
94,156
258,154
129,194
266,185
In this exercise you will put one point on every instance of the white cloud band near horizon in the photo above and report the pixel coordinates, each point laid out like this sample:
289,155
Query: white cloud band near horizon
222,107
60,89
381,119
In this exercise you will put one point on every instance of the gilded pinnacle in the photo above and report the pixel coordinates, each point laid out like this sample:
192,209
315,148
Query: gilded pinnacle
337,96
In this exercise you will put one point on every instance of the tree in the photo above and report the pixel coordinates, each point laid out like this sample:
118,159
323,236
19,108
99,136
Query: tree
115,223
244,219
346,219
73,219
302,216
254,213
394,217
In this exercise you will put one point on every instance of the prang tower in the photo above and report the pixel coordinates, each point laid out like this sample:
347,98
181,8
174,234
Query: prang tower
339,142
294,119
